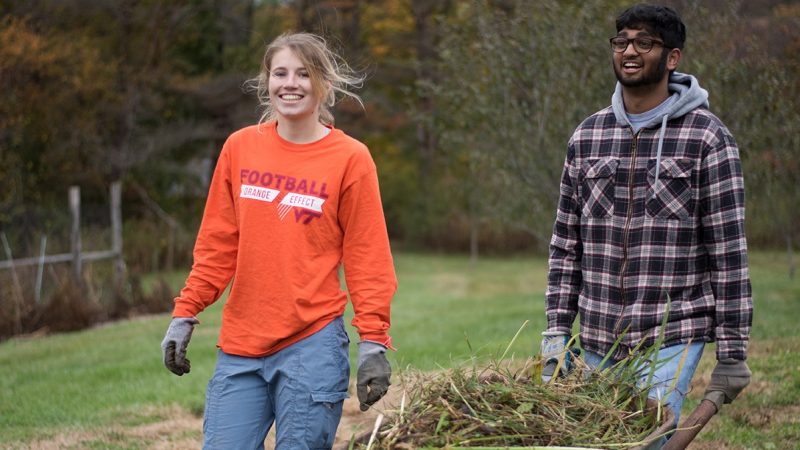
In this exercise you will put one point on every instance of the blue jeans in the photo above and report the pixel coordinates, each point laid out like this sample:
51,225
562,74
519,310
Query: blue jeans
300,388
664,376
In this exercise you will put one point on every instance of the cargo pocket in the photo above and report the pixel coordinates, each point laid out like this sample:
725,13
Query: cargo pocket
324,414
597,187
672,199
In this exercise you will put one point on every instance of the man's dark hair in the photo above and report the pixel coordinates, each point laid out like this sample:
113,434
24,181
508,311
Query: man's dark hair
660,21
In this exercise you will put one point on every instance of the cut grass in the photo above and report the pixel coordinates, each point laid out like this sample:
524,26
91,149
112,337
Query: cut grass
111,377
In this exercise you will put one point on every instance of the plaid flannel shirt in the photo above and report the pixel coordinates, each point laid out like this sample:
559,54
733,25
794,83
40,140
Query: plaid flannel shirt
624,246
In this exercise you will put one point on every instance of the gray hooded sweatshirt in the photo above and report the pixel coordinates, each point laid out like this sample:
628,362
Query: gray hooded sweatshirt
686,94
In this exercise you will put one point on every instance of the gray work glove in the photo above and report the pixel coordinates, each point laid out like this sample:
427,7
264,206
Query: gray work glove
554,345
728,379
374,373
173,347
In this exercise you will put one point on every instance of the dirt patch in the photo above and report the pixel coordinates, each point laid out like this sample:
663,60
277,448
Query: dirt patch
354,421
177,429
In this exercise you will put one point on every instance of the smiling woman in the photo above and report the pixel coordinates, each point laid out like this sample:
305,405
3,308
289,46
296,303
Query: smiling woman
291,201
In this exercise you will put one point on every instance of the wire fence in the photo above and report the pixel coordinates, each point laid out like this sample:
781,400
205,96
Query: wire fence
76,256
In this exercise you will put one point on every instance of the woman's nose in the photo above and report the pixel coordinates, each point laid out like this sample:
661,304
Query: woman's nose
291,79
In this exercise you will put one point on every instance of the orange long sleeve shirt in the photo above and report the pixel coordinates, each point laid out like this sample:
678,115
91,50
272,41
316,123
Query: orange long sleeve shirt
280,219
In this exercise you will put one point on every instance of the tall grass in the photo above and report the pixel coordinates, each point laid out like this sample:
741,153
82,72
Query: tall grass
446,309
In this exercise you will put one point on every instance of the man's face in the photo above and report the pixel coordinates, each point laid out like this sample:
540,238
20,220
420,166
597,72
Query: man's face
635,68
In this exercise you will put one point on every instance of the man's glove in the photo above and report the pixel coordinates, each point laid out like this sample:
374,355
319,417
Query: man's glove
374,372
728,379
173,347
554,344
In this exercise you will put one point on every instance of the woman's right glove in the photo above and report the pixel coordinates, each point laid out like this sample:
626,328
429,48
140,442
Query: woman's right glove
173,347
728,379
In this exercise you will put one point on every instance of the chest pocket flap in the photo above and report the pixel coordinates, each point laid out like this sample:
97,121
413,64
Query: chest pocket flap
672,168
600,168
597,187
671,196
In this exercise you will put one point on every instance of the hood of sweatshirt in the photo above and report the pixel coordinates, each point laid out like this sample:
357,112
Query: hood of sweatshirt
688,95
683,87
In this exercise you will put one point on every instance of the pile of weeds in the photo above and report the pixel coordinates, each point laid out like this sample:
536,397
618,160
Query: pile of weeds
501,405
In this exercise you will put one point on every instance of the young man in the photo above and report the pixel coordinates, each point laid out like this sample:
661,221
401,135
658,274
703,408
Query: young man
650,221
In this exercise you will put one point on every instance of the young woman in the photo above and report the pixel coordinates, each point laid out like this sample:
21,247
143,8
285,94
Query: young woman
292,199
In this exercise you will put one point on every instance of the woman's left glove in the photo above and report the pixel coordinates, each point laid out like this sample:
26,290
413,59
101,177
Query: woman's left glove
374,372
173,347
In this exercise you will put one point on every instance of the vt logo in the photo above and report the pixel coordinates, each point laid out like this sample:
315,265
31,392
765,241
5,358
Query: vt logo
306,207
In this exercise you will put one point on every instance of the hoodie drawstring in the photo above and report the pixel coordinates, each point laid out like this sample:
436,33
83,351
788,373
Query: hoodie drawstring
658,152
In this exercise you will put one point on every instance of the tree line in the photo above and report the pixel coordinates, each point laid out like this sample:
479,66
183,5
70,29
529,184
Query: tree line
468,107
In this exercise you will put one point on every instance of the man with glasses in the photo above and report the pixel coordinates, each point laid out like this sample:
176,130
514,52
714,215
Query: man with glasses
650,223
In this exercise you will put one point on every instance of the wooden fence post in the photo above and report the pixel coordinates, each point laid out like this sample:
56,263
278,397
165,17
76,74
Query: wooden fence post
116,234
75,236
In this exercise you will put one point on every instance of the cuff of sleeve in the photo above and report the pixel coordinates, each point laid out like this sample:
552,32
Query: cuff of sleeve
729,349
184,309
560,323
554,329
554,333
378,338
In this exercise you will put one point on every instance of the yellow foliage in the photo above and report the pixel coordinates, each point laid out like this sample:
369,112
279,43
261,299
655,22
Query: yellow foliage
44,75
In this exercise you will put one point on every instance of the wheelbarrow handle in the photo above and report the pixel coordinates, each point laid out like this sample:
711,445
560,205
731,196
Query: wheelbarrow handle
691,426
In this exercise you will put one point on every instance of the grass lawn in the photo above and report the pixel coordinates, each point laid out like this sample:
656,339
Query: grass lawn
446,309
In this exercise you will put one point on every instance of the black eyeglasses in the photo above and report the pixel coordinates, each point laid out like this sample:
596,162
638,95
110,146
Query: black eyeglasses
641,44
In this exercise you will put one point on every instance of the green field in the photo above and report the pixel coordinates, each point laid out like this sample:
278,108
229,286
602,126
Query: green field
89,389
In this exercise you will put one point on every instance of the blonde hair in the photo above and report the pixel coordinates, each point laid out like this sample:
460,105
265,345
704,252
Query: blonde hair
329,73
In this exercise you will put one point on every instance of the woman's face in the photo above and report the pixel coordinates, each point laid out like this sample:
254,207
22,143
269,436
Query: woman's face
290,91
